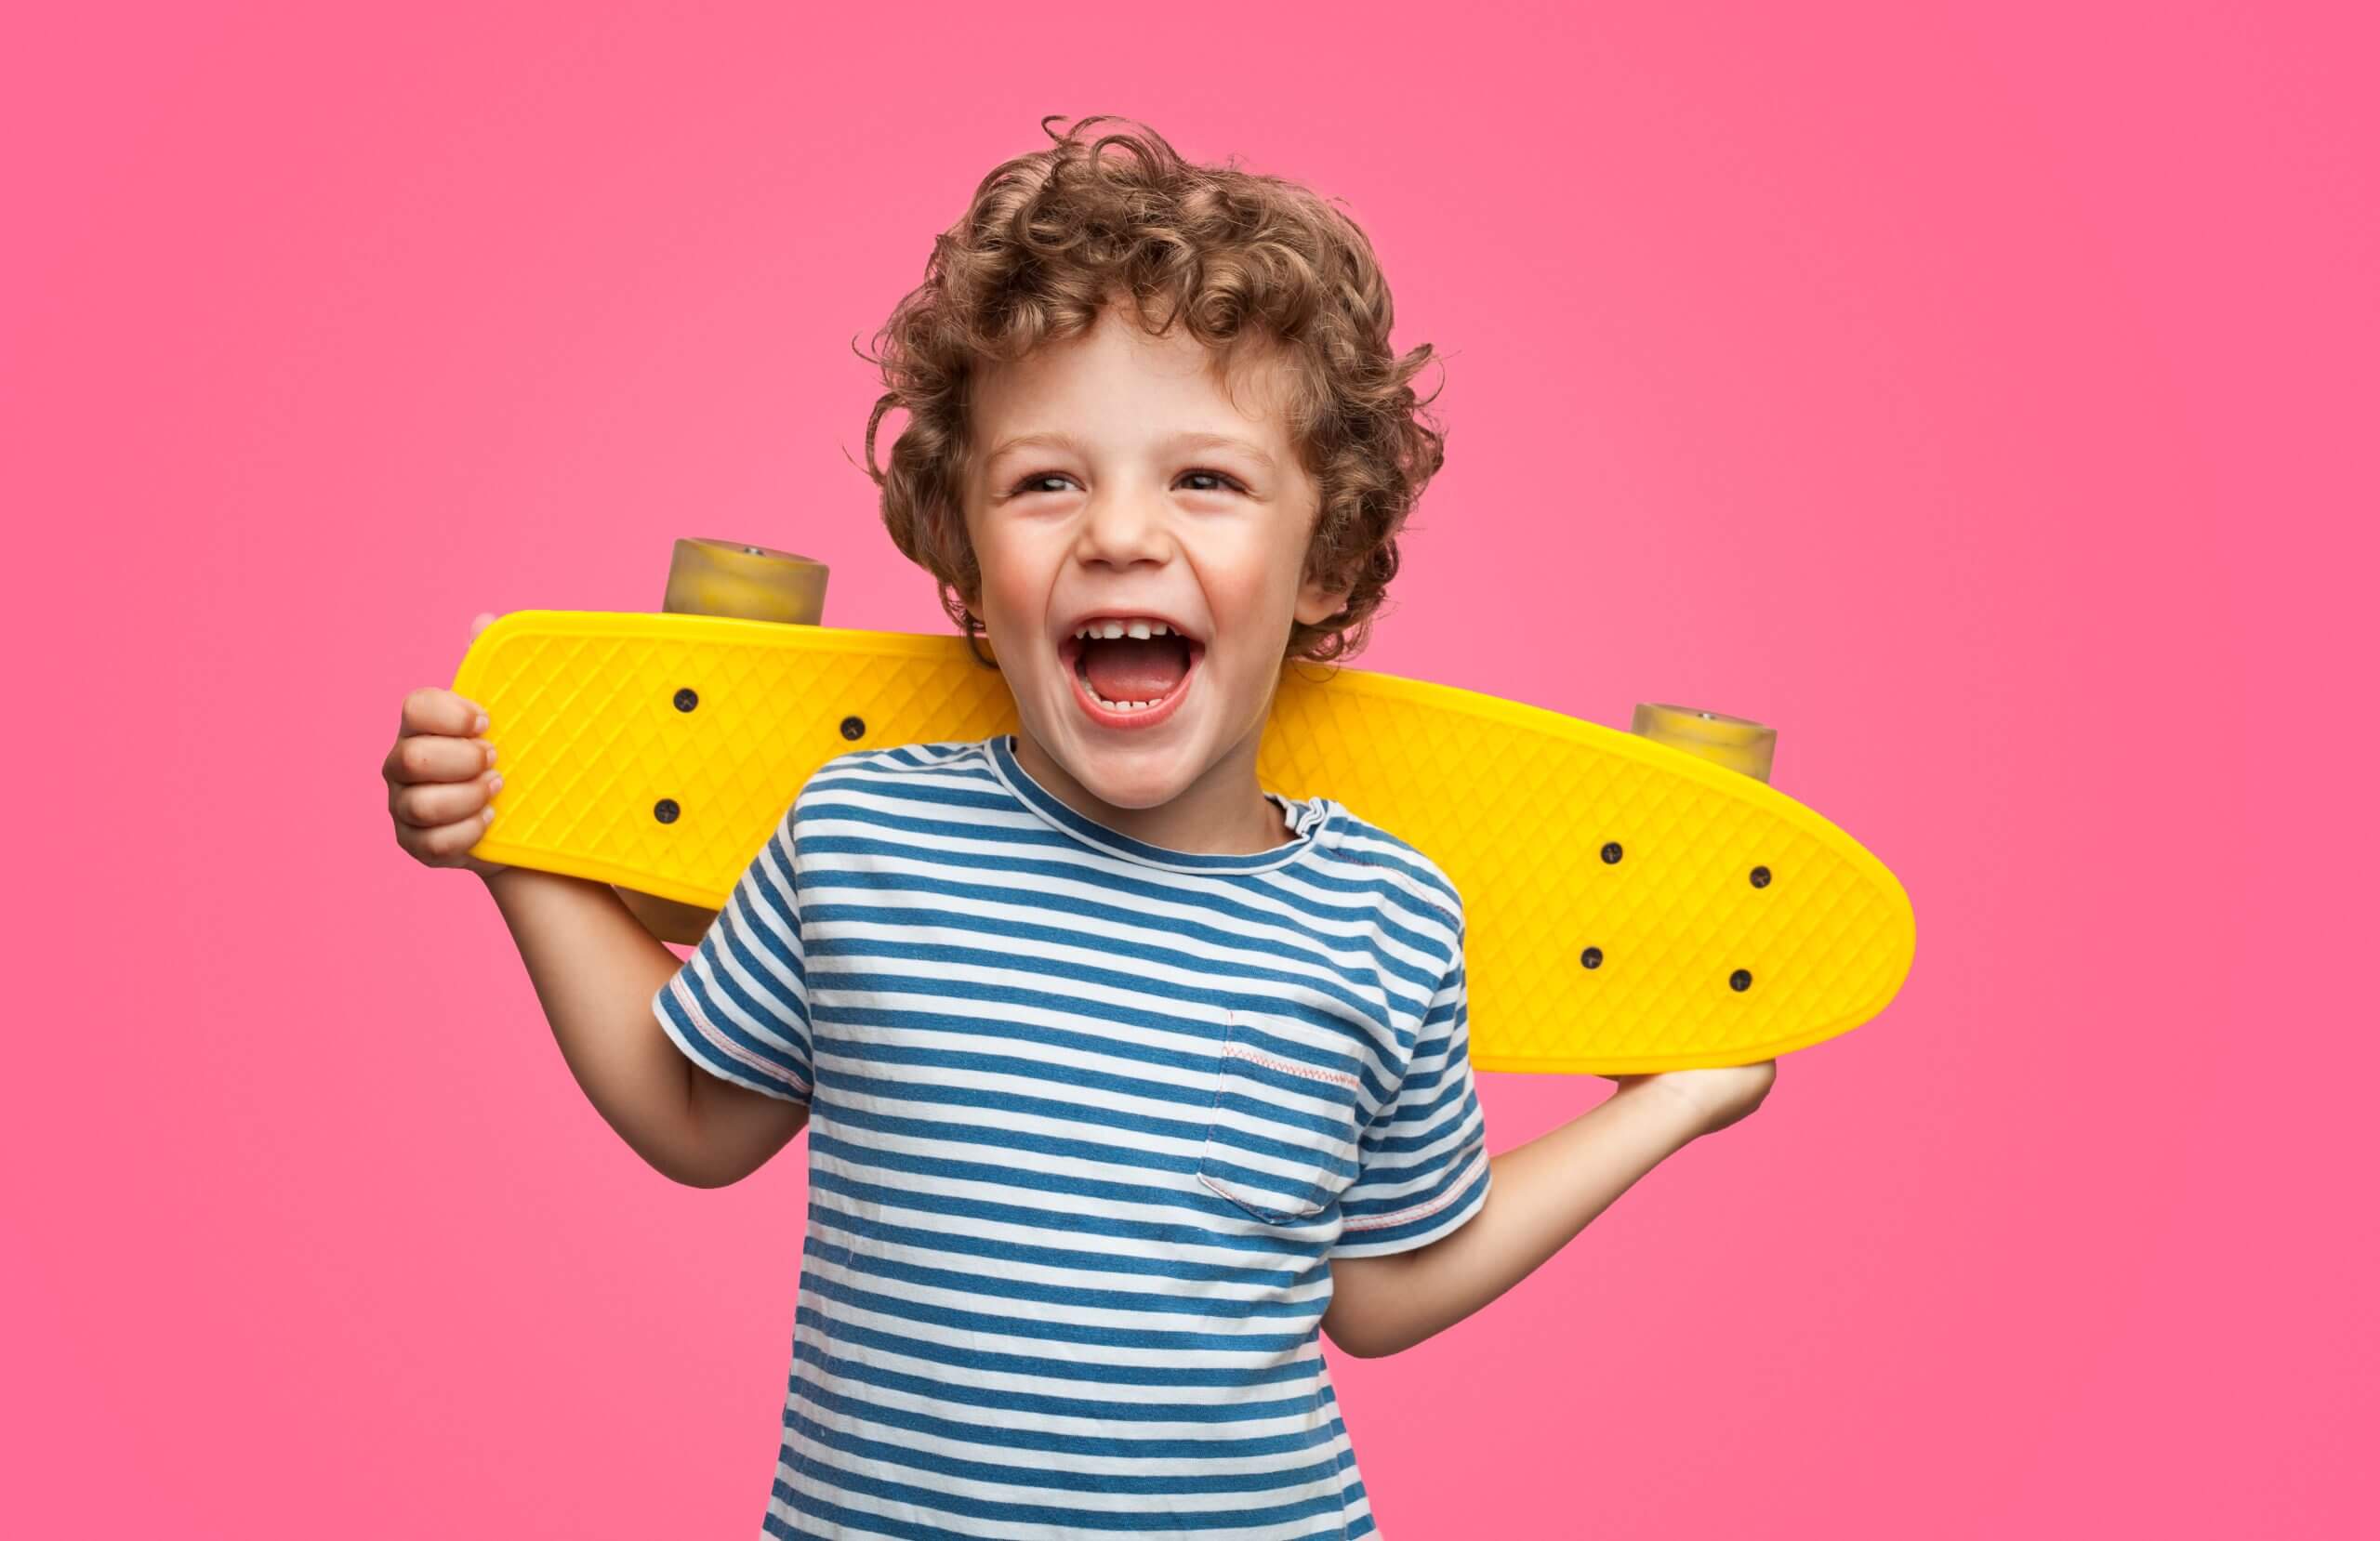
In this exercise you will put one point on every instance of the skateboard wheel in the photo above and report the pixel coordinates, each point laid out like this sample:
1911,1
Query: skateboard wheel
751,583
1734,742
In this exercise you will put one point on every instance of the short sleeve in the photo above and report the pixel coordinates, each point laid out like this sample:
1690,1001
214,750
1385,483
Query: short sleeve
1425,1157
739,1005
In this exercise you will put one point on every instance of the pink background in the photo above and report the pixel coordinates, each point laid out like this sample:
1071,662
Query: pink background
1983,396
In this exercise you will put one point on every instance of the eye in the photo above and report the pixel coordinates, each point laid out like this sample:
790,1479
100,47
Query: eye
1025,487
1216,476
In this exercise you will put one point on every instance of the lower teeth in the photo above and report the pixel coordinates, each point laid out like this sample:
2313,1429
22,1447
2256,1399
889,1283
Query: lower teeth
1092,691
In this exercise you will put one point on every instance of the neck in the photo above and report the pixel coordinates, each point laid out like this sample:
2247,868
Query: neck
1225,812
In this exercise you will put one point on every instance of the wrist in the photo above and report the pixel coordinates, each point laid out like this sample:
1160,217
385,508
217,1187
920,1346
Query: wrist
1667,1104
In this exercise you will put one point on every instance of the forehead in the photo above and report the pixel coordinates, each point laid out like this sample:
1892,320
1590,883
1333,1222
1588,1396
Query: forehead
1119,386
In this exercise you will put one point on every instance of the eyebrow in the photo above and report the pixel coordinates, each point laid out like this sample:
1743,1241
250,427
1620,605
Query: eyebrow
1056,441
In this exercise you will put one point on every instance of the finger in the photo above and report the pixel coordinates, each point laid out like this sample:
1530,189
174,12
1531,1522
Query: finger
434,757
429,757
432,710
434,803
447,844
480,623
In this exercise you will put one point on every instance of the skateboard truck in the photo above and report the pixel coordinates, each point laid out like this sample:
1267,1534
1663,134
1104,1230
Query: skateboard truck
751,583
1735,742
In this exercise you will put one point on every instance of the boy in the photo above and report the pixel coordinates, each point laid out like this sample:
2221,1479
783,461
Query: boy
1125,1079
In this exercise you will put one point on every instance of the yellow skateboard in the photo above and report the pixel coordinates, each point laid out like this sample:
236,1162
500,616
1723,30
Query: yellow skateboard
1632,905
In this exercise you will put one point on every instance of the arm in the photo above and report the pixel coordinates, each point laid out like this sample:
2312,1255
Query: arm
596,970
1539,1196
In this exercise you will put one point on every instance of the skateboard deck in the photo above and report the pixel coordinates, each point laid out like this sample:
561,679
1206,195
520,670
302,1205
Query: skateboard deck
1629,908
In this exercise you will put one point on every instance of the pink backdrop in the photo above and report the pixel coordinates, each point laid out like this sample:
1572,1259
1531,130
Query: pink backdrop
1982,395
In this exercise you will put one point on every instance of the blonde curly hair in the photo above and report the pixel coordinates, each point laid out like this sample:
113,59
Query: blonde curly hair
1243,261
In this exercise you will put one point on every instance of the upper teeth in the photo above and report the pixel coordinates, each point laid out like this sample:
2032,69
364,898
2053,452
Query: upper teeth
1123,629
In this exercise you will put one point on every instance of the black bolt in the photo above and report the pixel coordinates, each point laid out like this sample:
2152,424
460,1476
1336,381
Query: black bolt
1760,877
1592,957
1611,853
853,727
684,700
666,810
1740,979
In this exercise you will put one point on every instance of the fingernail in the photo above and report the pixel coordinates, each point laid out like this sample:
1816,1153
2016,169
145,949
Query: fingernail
494,785
487,815
482,727
489,750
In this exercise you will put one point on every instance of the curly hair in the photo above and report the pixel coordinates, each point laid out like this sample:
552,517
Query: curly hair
1244,260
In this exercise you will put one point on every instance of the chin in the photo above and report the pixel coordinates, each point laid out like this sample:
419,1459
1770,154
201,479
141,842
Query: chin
1126,777
1142,792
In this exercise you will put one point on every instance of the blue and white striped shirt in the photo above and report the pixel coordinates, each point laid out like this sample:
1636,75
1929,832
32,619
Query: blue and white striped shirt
1090,1117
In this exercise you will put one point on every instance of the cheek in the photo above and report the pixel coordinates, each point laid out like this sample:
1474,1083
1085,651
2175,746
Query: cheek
1256,619
1006,578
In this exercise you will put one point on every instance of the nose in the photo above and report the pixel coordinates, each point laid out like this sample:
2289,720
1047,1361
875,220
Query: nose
1121,529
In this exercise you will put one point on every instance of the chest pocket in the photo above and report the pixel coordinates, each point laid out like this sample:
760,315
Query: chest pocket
1281,1138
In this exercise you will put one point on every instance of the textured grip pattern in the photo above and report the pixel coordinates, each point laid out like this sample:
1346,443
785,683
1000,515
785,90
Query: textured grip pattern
1516,804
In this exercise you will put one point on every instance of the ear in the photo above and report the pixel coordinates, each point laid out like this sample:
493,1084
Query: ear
1317,604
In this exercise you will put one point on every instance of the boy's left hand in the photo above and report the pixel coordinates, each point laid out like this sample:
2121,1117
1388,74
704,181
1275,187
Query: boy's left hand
1714,1097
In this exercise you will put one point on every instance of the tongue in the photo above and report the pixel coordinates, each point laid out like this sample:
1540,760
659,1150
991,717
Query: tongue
1132,669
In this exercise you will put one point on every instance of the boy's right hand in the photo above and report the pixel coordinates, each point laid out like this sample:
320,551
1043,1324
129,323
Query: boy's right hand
441,776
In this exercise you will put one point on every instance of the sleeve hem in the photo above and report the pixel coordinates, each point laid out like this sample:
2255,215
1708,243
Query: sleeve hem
721,1055
1448,1213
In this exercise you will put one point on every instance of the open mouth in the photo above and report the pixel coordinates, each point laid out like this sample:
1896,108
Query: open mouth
1129,674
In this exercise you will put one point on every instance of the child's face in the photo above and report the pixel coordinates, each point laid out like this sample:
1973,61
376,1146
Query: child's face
1131,516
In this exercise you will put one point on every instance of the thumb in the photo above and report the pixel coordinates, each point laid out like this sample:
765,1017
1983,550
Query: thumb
480,623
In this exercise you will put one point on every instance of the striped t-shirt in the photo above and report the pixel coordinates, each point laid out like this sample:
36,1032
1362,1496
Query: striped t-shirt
1090,1117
